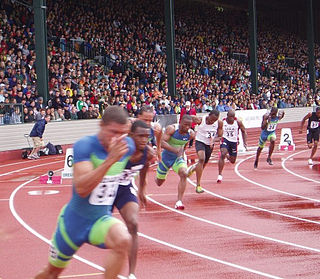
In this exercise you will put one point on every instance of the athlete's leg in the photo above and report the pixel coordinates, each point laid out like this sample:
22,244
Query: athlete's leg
259,150
162,170
314,149
183,174
262,142
50,272
159,181
232,159
118,240
223,155
271,148
129,213
61,249
200,165
272,138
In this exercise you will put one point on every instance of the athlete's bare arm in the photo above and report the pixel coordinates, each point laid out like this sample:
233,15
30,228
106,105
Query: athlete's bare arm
304,120
165,140
158,134
281,115
86,178
244,133
196,119
192,134
264,122
220,128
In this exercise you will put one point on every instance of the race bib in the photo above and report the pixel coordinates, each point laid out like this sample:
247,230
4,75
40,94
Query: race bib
314,124
271,127
105,193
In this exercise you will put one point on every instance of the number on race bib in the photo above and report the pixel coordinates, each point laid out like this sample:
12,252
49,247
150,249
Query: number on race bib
229,134
210,134
271,127
314,124
104,194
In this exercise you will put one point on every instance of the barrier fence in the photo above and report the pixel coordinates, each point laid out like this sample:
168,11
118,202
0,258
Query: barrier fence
11,114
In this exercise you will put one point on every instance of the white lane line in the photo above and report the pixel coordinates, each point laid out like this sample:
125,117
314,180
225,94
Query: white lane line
35,233
48,186
4,199
283,163
25,161
10,172
236,169
237,230
208,257
255,207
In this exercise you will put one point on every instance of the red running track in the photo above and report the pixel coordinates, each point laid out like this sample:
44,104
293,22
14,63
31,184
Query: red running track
257,224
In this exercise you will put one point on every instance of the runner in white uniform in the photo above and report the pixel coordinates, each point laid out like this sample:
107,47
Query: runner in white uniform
208,129
229,141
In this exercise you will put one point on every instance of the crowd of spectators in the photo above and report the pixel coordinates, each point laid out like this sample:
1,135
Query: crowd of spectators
212,69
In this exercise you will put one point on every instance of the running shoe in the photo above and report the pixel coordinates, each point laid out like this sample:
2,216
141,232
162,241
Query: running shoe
179,205
219,179
199,189
191,170
269,161
32,157
132,276
310,162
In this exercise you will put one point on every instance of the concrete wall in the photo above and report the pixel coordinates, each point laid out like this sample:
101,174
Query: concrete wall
67,132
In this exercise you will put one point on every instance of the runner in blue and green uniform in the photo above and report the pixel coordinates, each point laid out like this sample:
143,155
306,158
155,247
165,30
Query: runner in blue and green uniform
268,126
99,161
174,141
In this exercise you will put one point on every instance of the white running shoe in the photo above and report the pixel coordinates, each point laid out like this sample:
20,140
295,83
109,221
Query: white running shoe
310,162
179,205
219,179
32,157
132,276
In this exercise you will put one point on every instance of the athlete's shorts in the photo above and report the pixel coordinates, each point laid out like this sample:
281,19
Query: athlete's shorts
207,150
230,146
125,194
166,164
74,230
264,136
312,135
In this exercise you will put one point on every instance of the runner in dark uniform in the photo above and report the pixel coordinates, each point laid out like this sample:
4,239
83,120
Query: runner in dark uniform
312,131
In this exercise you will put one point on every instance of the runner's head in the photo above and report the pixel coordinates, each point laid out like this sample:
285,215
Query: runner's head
213,116
231,116
185,124
273,112
114,124
140,132
146,114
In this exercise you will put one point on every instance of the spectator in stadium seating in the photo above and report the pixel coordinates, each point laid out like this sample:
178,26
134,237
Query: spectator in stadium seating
74,114
83,113
59,114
